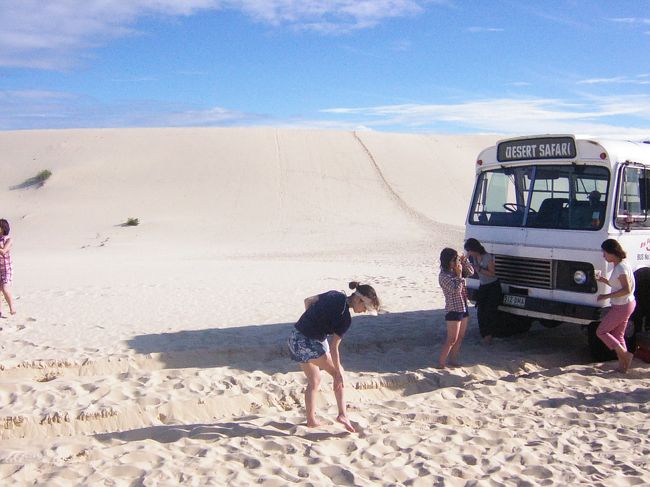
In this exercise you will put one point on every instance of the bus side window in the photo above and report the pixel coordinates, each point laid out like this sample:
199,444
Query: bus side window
632,208
644,190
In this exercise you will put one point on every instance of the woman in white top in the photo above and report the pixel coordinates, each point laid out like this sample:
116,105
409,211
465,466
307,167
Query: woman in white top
612,327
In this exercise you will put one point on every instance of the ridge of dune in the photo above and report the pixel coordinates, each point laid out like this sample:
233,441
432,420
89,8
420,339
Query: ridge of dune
389,189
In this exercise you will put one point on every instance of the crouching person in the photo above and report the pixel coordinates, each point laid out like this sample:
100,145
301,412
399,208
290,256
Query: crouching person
327,314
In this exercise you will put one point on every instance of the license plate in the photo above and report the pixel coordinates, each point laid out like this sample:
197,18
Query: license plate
517,301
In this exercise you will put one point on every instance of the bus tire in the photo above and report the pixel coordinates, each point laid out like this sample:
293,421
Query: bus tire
597,348
550,323
512,325
523,324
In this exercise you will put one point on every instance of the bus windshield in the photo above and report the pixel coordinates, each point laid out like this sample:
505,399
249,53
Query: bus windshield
541,196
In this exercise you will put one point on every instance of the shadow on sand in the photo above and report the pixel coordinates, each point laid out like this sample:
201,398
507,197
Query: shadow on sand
612,401
388,343
34,182
217,431
263,347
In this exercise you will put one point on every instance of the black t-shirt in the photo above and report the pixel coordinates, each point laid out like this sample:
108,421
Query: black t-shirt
329,315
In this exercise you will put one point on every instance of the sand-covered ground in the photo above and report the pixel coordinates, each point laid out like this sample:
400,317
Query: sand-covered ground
155,354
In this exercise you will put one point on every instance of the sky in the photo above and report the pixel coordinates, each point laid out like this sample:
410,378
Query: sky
515,67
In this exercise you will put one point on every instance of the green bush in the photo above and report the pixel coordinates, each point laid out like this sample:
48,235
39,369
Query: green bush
132,222
43,176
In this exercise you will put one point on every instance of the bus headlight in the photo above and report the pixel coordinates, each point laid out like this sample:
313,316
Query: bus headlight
577,277
580,277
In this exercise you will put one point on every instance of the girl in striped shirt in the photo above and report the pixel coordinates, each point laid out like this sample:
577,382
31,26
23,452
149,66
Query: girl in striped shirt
453,270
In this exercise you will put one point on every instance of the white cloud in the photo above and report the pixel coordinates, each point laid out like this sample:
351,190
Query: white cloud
613,116
474,30
642,79
57,34
216,116
26,95
632,20
34,108
134,79
328,15
627,105
31,109
593,116
401,46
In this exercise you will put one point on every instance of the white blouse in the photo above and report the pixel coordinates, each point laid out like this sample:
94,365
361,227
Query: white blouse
623,268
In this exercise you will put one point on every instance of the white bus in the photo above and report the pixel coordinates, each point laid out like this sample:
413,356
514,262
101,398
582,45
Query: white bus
542,205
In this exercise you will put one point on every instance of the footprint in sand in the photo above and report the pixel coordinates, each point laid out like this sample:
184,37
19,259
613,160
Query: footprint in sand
538,471
339,475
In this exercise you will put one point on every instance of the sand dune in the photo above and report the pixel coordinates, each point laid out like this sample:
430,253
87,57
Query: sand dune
235,189
154,354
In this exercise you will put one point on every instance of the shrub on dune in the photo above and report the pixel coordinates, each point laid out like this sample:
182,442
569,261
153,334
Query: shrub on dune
35,181
131,222
43,176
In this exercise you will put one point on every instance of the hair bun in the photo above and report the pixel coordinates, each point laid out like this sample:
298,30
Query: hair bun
353,284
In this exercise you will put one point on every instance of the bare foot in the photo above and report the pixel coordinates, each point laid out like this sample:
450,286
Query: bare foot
312,424
13,312
629,356
346,422
624,362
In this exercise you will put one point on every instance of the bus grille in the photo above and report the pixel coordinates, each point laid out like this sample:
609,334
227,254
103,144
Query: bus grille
523,271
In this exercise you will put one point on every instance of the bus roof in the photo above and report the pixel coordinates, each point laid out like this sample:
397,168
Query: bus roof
563,149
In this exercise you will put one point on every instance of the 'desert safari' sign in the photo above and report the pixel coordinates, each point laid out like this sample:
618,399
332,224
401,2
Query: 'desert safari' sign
537,148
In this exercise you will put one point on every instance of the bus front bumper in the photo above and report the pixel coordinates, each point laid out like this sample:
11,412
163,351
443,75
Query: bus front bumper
549,310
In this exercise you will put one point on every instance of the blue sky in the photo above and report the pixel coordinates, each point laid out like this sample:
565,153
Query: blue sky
423,66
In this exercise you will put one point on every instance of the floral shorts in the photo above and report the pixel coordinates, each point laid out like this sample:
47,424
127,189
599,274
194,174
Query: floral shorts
303,349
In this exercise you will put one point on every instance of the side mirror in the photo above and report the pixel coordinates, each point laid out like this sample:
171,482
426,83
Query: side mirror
628,220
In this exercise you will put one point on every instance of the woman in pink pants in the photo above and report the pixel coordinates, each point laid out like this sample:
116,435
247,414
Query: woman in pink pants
612,328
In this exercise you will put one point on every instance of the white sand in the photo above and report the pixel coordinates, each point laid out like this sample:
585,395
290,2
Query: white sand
154,355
